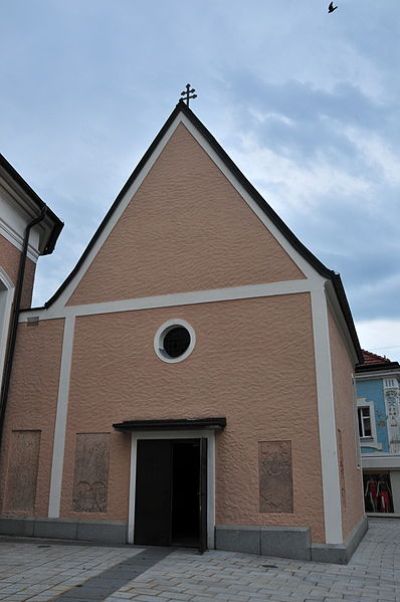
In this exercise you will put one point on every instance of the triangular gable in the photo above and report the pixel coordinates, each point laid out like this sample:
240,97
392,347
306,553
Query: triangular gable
306,263
185,229
299,268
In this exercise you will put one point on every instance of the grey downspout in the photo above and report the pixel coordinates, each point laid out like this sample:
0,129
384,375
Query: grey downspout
12,337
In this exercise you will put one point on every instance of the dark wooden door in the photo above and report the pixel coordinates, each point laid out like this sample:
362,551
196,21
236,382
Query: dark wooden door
153,492
203,496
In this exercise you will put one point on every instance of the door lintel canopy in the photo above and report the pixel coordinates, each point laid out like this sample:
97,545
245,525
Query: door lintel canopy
218,423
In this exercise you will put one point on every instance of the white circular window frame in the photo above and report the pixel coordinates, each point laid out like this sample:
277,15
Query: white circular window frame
163,331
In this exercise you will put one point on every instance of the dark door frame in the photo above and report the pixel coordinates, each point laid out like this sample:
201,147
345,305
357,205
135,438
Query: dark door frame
164,434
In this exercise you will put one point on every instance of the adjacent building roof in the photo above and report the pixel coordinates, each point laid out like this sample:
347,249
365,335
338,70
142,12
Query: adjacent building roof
373,358
32,204
374,362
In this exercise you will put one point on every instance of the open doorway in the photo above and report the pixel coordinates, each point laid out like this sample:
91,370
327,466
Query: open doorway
171,495
185,492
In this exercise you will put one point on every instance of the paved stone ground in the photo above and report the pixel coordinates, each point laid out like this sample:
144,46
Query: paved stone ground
38,574
98,587
41,571
372,575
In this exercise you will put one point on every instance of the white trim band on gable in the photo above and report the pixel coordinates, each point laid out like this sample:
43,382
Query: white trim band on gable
249,291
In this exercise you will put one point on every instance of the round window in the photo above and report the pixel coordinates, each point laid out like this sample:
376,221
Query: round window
174,341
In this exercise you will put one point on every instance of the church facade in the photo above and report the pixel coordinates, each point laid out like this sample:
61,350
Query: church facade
190,383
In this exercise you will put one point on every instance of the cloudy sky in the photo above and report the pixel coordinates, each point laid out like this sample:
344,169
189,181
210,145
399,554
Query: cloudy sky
306,103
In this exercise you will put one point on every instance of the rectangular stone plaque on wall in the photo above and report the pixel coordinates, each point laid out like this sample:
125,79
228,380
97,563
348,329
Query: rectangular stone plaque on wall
22,471
91,472
275,476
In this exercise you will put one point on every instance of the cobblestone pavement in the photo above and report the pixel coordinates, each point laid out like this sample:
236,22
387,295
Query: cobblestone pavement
372,575
31,572
39,572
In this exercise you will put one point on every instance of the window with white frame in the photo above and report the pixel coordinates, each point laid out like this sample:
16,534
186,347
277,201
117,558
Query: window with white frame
174,341
365,422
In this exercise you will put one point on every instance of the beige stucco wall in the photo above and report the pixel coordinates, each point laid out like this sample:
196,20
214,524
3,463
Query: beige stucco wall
347,439
186,229
32,400
9,261
253,363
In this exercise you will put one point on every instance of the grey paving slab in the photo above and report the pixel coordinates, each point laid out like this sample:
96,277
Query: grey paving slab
40,571
51,571
110,580
373,575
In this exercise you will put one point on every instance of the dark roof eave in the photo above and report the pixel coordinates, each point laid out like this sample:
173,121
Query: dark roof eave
345,307
35,198
214,423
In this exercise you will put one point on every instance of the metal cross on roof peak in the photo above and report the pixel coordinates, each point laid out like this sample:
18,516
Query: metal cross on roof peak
188,94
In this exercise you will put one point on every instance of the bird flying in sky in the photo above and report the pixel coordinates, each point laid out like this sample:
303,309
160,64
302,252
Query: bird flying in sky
331,8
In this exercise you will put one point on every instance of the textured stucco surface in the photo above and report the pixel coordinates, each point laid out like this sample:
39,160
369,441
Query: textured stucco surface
33,398
185,229
246,365
9,261
351,477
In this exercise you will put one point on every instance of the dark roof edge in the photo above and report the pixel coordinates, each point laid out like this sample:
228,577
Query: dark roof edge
216,423
345,307
256,196
363,368
35,198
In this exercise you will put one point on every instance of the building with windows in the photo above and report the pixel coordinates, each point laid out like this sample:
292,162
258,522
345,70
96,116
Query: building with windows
378,409
159,397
